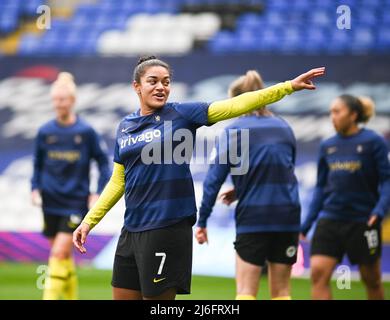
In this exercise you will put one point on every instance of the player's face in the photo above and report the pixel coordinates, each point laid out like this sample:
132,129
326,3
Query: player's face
342,117
154,88
63,102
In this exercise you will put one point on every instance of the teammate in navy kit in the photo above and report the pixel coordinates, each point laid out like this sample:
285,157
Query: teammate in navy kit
350,199
153,259
64,148
268,210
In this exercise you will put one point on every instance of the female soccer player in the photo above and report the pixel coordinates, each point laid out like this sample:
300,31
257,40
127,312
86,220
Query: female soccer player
351,197
154,254
64,148
268,210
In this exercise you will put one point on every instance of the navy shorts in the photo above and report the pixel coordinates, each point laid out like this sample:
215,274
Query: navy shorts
56,223
335,238
277,247
154,261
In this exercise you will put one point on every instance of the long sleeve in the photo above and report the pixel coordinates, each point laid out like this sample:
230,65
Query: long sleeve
99,153
247,102
216,176
383,166
111,194
318,194
37,162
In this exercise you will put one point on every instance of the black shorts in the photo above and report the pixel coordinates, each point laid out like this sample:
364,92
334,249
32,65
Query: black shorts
154,261
334,238
277,247
56,223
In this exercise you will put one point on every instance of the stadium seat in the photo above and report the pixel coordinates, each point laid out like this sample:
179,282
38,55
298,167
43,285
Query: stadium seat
29,45
383,43
308,26
339,41
222,42
29,8
171,34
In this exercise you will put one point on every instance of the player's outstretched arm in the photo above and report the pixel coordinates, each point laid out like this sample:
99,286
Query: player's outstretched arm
250,101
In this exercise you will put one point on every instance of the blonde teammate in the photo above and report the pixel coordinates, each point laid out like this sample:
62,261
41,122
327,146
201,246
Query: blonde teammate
64,149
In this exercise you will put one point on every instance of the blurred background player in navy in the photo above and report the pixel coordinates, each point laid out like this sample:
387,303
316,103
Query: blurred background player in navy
153,259
268,210
64,148
351,197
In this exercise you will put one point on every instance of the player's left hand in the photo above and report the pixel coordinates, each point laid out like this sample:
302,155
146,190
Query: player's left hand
373,219
201,235
228,197
304,81
36,198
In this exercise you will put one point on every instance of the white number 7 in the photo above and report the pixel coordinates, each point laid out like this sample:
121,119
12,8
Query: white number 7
163,255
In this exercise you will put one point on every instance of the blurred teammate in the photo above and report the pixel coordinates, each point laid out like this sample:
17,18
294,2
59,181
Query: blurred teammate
64,148
268,210
351,197
153,258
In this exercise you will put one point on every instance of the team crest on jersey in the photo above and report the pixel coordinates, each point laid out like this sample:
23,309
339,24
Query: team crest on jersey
157,118
78,139
51,139
331,150
291,251
359,148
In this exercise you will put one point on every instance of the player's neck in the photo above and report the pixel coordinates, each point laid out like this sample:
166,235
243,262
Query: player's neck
263,112
67,120
351,131
146,111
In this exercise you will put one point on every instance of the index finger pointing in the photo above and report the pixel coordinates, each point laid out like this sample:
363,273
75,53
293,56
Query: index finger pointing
316,71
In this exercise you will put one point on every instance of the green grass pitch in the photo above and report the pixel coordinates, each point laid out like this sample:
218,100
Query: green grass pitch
19,281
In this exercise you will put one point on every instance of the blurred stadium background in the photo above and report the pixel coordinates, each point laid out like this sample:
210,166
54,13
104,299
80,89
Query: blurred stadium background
208,43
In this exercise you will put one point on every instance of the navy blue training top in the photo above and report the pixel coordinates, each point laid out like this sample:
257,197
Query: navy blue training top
268,199
353,179
156,150
62,159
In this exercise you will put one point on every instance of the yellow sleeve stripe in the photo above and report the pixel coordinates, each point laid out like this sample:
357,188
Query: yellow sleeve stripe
111,194
247,102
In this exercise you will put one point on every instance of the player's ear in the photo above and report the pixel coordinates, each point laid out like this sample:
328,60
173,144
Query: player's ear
136,87
354,116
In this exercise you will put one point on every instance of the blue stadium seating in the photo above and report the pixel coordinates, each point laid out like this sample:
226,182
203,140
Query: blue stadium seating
311,27
284,26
